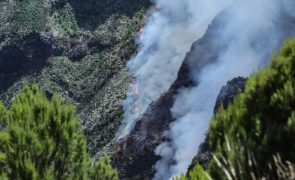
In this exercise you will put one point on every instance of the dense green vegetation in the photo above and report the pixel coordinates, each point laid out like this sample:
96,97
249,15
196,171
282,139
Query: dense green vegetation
43,139
88,43
20,18
197,173
91,13
64,22
254,137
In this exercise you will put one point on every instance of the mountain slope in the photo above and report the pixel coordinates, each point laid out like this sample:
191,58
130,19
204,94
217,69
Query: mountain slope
258,126
150,130
77,49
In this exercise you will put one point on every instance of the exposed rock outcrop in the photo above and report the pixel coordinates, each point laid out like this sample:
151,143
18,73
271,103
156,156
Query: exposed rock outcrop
229,92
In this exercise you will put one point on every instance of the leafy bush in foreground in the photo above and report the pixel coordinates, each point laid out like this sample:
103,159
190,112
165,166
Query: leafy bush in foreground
42,139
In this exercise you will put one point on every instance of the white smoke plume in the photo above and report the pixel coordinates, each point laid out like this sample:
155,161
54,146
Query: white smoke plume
252,33
168,36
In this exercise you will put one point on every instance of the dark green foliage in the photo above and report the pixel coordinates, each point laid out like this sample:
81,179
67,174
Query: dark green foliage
197,173
65,23
259,124
20,18
42,139
92,13
104,170
100,36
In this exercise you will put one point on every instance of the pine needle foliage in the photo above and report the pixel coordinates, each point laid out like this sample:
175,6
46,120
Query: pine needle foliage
197,173
42,139
259,124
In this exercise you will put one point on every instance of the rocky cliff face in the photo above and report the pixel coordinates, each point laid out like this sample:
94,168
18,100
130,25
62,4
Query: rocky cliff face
76,49
229,92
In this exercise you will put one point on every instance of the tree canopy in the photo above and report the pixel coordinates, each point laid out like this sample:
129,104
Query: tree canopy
258,128
42,139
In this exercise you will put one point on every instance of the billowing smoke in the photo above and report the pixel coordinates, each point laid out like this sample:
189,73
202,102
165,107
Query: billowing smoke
252,31
289,7
168,35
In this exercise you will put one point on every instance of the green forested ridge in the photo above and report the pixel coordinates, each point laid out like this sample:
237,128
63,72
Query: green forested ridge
90,42
43,139
254,137
19,18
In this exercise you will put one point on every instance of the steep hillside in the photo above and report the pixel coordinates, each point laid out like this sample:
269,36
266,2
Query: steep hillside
75,48
79,50
135,161
149,129
252,138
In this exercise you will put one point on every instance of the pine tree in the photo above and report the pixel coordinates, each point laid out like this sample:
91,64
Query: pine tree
42,139
259,126
197,173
